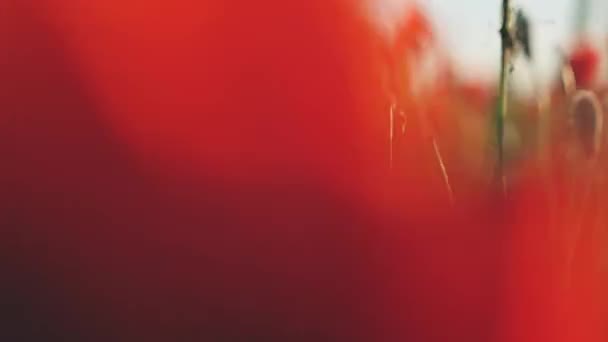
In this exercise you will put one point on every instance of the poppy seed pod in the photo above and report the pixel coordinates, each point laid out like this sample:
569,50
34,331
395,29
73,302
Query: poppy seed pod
587,117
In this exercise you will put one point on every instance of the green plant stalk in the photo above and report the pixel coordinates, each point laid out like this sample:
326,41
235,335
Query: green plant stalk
501,113
582,16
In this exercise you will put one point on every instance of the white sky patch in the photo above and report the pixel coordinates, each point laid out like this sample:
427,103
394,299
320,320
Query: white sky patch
387,14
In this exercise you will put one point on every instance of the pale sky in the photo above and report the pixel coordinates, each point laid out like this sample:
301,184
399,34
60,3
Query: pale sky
469,28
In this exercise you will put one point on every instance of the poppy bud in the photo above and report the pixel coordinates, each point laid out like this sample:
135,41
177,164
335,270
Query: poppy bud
522,33
585,62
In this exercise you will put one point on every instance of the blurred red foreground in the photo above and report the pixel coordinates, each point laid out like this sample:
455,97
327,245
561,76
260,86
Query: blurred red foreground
218,171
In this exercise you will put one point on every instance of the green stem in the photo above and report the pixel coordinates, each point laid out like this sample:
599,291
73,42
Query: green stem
507,44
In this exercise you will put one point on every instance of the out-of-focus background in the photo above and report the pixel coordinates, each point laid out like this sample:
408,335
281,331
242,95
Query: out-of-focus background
469,31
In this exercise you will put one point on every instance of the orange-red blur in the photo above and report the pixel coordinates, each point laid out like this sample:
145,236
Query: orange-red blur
219,170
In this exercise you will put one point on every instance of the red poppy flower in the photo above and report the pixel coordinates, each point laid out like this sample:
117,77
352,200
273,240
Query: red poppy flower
585,61
212,169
